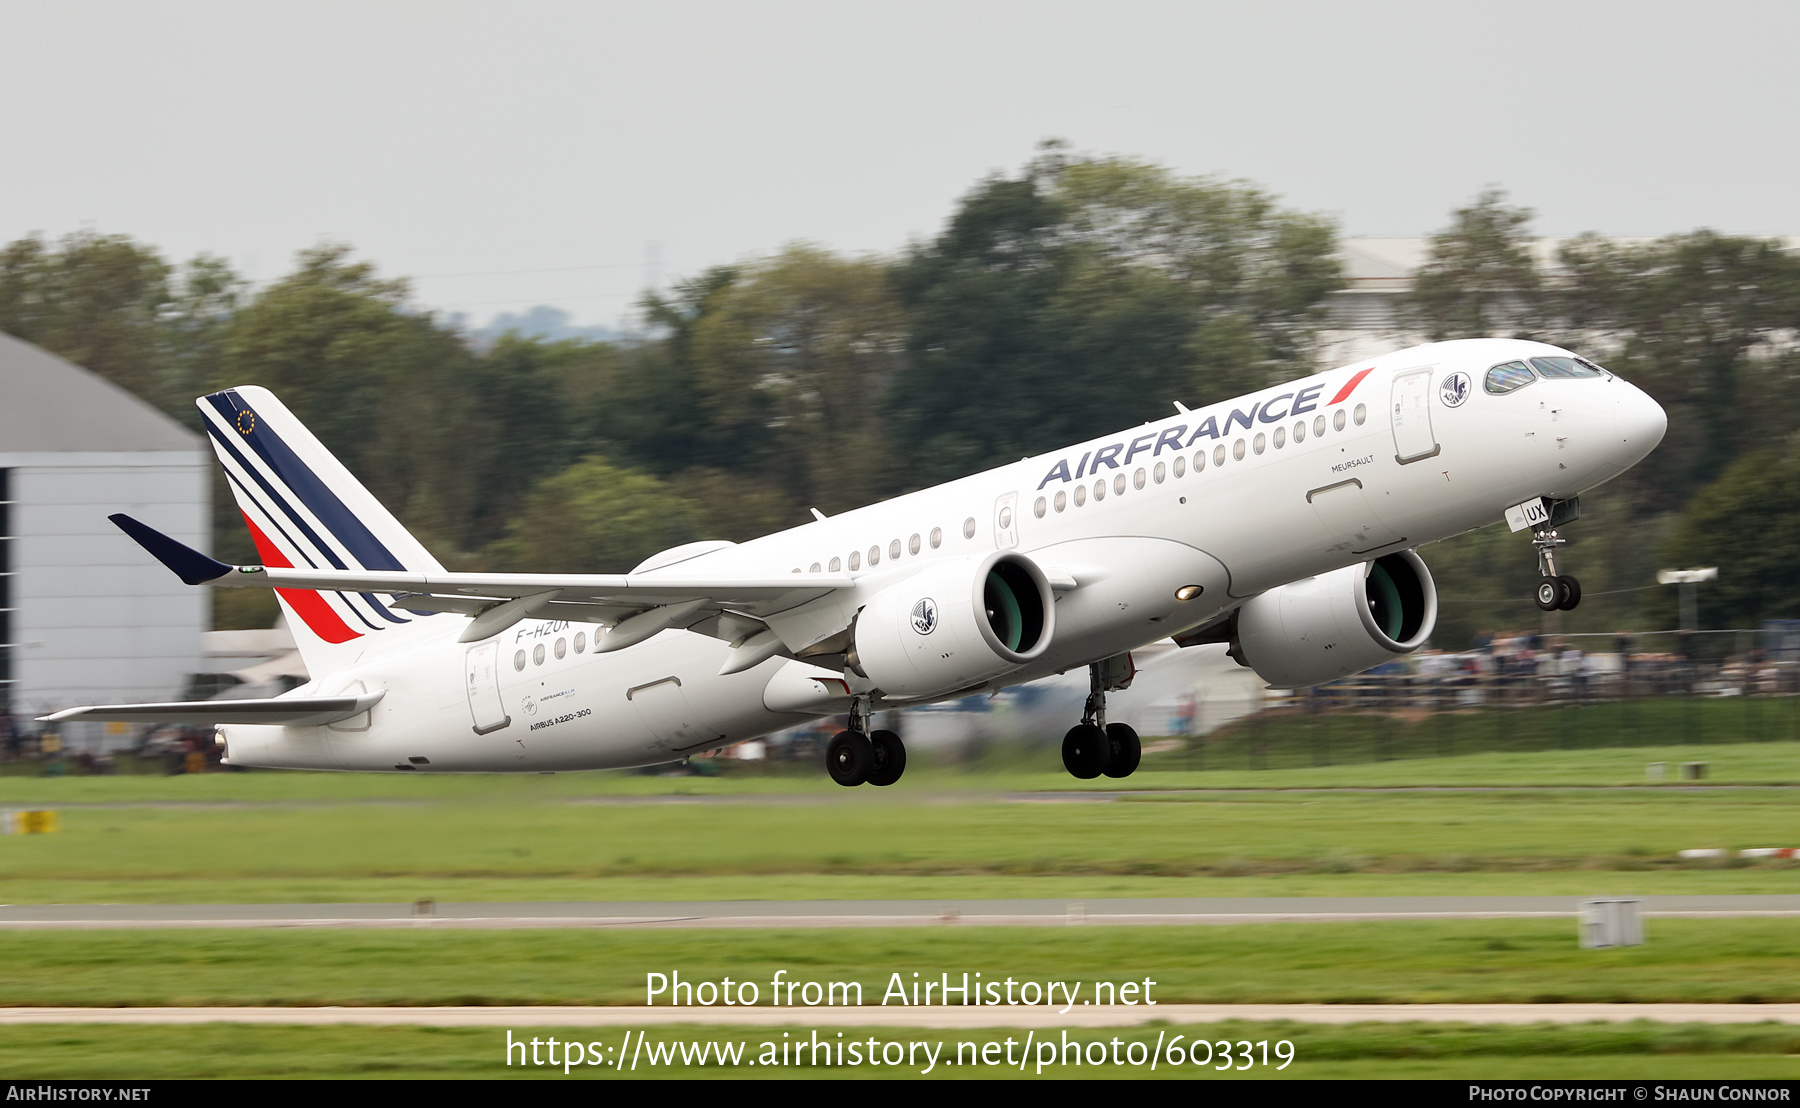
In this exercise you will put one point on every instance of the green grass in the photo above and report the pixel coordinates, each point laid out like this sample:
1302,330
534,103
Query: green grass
1391,962
315,837
1635,1050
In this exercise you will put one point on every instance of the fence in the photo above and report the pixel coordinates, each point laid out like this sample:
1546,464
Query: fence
1526,694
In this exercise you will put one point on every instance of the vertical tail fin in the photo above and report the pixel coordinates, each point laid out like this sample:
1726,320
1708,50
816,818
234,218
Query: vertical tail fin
304,509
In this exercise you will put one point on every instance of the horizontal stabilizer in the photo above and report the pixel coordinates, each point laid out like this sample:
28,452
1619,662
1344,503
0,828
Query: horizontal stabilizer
193,567
293,711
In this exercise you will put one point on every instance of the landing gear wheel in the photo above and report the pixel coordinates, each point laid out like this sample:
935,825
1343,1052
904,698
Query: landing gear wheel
890,758
1571,592
1086,751
849,757
1549,594
1125,749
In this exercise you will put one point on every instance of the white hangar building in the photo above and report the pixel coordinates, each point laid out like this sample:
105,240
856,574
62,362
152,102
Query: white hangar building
86,617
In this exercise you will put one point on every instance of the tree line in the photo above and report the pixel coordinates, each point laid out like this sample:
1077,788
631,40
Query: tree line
1076,294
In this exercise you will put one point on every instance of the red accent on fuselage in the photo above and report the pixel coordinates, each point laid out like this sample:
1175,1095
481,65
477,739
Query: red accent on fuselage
1350,386
307,604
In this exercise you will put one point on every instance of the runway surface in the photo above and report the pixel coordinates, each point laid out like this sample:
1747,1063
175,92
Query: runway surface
1021,1016
1138,911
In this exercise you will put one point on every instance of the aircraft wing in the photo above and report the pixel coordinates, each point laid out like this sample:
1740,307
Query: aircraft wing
290,710
498,600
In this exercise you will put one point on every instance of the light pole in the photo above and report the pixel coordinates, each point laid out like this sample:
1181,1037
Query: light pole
1688,579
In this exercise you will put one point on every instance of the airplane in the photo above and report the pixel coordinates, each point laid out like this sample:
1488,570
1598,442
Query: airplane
1284,523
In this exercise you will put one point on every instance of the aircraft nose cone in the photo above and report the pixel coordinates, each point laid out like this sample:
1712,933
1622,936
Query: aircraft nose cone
1641,421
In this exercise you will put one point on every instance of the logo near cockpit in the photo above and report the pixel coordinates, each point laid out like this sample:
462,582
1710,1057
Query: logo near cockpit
1455,389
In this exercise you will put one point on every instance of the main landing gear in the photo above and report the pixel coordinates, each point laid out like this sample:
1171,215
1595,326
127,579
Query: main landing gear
859,755
1094,746
1555,592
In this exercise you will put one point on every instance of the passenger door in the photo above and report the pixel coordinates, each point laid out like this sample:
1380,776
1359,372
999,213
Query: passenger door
1411,408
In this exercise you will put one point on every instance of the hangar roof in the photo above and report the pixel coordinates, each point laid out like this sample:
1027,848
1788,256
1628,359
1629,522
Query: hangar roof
48,405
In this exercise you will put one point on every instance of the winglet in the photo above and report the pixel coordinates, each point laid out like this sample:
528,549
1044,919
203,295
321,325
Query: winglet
193,567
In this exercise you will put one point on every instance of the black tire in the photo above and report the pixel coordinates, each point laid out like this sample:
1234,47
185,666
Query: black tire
849,757
1571,591
1549,594
1085,751
890,757
1125,749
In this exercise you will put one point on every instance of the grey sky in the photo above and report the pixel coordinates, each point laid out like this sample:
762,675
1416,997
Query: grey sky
448,139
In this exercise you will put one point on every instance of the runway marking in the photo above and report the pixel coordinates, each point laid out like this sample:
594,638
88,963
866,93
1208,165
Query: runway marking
777,914
951,1017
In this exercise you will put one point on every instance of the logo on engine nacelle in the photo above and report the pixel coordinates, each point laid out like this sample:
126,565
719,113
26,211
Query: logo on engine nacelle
924,616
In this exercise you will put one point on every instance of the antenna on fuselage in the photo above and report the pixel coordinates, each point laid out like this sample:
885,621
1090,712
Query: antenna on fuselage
1180,407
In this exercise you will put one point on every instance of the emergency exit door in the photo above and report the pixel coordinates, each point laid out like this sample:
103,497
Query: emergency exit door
486,710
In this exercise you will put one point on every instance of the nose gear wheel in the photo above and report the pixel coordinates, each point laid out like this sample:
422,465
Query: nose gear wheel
1554,591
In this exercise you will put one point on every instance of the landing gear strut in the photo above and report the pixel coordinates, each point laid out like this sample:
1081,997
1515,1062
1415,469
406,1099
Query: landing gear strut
857,755
1093,746
1554,591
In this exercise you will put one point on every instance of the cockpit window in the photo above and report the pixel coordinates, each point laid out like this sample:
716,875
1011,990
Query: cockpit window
1509,376
1564,367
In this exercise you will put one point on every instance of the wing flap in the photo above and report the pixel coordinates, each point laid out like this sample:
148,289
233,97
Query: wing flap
293,711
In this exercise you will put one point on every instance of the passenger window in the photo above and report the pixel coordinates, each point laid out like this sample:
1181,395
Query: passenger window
937,537
1362,413
855,560
1219,455
1181,464
814,568
519,660
1337,420
969,528
894,550
1005,518
1237,450
837,565
1563,367
580,641
1300,431
1039,508
874,555
1062,500
1162,471
912,545
537,655
1508,376
562,648
1137,479
1280,437
1318,425
1261,441
1119,484
1100,489
1080,495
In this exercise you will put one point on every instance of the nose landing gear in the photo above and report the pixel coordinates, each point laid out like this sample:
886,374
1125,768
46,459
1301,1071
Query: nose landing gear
1094,746
1554,592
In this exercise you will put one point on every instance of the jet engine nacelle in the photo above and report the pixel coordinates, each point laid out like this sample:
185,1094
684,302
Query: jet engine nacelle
955,625
1338,623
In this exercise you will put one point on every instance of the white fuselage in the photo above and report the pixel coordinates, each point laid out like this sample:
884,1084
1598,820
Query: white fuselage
1305,486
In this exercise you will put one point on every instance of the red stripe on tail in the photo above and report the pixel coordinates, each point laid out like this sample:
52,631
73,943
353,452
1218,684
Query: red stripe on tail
1350,386
306,603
